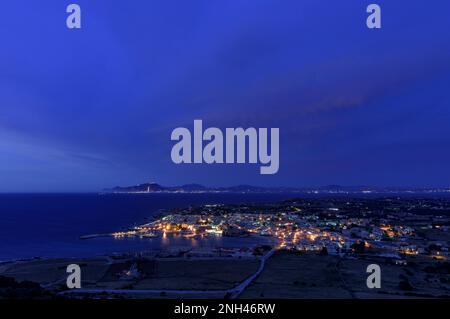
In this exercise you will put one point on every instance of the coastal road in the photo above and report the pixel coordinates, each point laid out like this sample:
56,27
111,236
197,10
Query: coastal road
236,291
233,292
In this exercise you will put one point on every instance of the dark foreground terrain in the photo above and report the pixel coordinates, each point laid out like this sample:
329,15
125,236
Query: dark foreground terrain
286,275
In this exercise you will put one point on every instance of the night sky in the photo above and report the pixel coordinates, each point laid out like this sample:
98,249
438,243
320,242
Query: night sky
85,109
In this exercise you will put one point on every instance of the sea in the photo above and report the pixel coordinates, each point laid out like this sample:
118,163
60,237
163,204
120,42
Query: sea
50,225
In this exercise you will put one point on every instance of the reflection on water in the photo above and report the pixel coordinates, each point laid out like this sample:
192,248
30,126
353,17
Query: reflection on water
38,224
167,240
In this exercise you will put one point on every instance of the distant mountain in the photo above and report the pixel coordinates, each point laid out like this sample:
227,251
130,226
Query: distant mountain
330,189
146,187
192,187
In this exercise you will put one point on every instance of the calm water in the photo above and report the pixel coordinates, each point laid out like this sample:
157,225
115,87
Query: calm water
49,225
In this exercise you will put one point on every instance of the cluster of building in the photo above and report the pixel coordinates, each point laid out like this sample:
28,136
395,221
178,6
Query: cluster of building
386,227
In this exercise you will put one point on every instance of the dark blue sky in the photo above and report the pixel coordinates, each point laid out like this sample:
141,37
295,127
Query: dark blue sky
85,109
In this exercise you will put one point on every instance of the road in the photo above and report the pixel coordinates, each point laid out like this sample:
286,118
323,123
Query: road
233,292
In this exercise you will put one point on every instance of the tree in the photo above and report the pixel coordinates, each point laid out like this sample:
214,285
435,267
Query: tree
358,247
405,285
324,251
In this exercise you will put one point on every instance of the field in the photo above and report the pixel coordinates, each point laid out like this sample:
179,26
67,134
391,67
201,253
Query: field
286,275
295,275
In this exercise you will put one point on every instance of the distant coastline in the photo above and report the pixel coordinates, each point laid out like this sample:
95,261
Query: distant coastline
249,189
